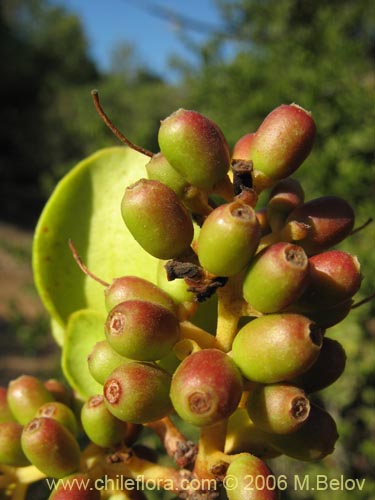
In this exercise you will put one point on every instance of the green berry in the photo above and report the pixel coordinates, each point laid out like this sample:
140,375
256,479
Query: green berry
313,441
50,447
283,141
103,360
100,425
77,486
141,330
276,347
11,452
132,288
249,478
61,413
196,147
228,239
25,395
138,392
278,408
5,412
206,387
285,267
159,169
157,219
285,196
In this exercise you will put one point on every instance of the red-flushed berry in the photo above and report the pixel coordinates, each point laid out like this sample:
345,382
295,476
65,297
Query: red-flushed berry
249,478
206,387
141,330
61,413
276,347
138,392
283,141
329,219
11,452
25,394
135,288
276,277
242,147
196,147
335,276
326,317
278,408
5,413
329,366
157,219
285,196
228,239
79,486
103,360
50,447
102,428
313,441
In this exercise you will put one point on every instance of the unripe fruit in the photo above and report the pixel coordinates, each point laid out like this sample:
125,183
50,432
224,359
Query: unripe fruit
327,368
5,413
196,147
11,452
141,330
278,408
103,360
285,267
157,219
250,479
77,486
285,196
100,425
61,413
334,277
283,141
228,239
138,392
276,347
313,441
159,169
330,220
243,436
135,288
206,387
59,391
242,147
327,317
50,447
25,395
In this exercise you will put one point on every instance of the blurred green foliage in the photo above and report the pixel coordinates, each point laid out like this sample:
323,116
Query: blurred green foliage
319,54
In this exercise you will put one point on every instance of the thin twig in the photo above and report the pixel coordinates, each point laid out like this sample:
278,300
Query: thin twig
83,267
114,129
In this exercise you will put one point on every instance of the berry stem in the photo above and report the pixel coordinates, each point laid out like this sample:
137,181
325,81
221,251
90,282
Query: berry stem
192,332
210,449
364,301
114,129
357,229
175,443
224,188
230,305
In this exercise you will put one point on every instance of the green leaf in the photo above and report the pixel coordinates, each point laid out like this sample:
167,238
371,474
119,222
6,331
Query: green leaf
84,329
85,207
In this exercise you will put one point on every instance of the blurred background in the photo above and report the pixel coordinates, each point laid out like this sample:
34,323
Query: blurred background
232,60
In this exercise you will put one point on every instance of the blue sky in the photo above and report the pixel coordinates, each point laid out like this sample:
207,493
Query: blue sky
109,22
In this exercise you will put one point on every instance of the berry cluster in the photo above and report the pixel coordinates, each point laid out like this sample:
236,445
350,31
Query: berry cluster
278,285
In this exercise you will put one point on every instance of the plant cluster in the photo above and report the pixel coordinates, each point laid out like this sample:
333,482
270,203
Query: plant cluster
279,286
